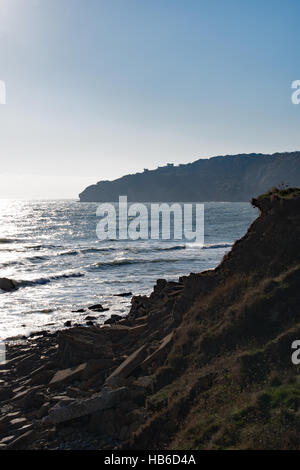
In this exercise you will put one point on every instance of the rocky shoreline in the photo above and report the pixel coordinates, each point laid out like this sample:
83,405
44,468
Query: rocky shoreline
202,363
83,387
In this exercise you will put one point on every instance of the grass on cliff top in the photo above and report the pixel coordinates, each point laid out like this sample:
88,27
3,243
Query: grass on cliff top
284,193
270,420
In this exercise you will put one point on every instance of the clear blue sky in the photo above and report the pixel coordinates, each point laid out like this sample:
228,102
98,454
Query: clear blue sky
100,88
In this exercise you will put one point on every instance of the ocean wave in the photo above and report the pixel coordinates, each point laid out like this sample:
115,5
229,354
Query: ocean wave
46,280
69,253
120,248
217,245
161,248
209,246
42,247
127,261
22,261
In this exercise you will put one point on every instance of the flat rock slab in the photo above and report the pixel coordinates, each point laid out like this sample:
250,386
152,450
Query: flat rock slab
128,366
67,375
108,398
22,441
160,351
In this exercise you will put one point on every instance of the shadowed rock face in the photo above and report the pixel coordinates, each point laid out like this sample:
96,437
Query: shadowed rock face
230,178
228,380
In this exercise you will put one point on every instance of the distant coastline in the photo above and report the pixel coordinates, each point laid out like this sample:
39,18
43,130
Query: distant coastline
230,178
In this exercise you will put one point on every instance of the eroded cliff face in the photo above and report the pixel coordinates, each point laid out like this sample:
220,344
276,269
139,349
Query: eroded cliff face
202,363
228,380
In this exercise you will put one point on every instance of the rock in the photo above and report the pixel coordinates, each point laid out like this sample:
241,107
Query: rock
124,294
7,284
89,323
144,382
24,428
68,323
79,345
6,440
98,308
96,366
137,330
17,422
22,441
138,306
90,317
160,352
63,377
5,393
3,423
80,310
113,319
141,320
40,376
30,398
128,366
115,333
27,363
160,285
43,411
106,399
104,422
124,433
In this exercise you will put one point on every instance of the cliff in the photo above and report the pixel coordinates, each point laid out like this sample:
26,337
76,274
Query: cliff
202,363
227,178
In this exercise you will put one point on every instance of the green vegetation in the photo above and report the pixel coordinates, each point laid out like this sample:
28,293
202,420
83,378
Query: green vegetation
281,192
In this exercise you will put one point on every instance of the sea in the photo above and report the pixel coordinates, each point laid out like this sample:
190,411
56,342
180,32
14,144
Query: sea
51,249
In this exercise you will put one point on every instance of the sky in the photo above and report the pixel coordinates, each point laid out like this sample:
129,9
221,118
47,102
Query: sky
96,89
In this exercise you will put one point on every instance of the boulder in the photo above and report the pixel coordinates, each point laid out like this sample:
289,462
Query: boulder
124,294
7,284
97,308
80,344
113,319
